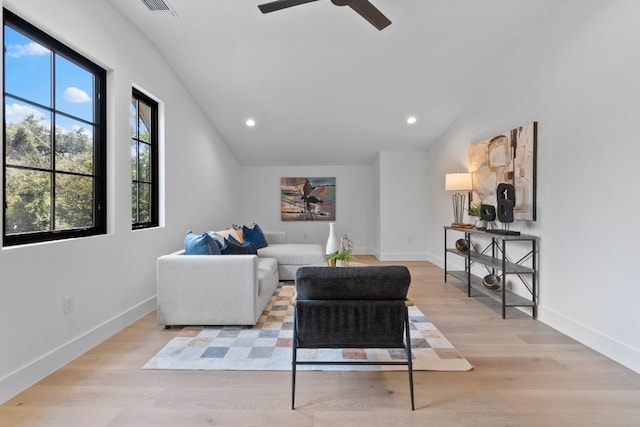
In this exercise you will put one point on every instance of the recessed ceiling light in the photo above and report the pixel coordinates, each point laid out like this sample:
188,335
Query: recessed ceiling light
411,120
250,122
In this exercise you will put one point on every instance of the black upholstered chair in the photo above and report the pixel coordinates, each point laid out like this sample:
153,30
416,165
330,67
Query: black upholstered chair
351,307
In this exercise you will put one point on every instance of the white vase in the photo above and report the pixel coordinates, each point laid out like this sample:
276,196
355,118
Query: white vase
332,241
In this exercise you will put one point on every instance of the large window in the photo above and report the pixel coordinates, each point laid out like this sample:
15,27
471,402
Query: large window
54,138
144,161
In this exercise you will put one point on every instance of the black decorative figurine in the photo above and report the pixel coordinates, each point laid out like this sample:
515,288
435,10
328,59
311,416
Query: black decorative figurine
487,213
506,196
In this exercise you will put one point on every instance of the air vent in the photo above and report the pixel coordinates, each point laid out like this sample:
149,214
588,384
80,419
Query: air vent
159,6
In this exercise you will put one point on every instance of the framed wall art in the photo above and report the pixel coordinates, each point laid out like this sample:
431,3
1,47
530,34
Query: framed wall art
508,158
308,199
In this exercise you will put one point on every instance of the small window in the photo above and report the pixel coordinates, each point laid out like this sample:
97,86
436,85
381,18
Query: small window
54,111
144,161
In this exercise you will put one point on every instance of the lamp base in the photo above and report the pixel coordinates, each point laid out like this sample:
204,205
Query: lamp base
458,206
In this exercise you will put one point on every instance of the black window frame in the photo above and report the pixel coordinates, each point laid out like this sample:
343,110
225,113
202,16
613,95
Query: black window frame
154,182
99,123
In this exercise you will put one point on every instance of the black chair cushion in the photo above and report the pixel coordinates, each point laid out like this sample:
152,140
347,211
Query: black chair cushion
350,324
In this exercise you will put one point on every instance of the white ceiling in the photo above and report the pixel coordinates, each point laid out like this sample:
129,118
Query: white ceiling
323,85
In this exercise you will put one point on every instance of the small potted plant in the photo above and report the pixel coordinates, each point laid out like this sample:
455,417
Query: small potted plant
476,210
340,258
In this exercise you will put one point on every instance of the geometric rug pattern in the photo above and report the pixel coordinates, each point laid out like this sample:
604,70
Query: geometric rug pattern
267,346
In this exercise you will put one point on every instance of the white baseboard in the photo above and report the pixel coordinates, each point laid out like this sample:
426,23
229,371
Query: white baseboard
401,256
435,260
28,375
604,344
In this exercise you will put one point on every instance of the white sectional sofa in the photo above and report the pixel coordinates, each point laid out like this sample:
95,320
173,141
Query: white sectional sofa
290,256
227,289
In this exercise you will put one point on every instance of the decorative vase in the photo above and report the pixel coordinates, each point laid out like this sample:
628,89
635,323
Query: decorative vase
332,241
346,244
491,281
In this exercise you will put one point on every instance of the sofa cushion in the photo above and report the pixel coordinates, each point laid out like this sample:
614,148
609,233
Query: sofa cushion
267,268
293,253
275,237
268,264
254,234
201,244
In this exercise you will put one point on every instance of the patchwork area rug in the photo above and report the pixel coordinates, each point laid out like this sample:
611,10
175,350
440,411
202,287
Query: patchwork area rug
267,346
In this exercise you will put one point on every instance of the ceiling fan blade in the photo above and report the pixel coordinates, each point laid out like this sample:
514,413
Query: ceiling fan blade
370,13
281,4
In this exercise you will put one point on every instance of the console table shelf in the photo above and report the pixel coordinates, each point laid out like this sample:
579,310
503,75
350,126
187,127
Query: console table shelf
494,257
495,263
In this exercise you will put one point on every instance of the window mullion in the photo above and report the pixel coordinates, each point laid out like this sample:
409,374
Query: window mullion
52,103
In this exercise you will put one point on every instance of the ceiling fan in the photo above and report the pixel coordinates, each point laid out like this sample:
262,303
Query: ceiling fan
362,7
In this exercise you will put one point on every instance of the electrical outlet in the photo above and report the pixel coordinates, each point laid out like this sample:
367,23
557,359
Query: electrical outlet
410,239
305,236
67,304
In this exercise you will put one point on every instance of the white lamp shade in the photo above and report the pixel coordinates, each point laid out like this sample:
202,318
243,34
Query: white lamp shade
458,181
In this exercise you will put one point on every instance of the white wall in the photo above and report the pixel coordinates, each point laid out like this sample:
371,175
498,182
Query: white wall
355,204
402,205
111,277
381,207
577,75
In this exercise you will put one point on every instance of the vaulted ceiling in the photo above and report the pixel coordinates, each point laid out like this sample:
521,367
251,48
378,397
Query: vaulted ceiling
322,84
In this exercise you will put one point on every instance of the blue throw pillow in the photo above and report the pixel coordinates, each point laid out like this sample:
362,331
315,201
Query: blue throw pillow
201,244
215,246
219,240
236,248
254,235
251,248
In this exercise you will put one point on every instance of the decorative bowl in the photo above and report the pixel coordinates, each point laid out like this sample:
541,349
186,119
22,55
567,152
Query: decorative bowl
491,281
462,245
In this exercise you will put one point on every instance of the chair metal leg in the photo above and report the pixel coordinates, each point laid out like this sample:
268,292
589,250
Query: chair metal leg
294,346
409,356
407,348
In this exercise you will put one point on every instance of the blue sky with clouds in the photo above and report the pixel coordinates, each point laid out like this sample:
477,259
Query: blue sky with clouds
28,75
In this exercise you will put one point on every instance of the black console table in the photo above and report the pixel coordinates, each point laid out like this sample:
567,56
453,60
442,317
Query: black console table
494,256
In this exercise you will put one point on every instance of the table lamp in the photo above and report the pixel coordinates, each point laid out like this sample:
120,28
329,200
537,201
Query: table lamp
458,182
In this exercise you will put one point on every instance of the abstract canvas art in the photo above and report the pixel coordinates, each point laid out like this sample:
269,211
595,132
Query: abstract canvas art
508,158
308,199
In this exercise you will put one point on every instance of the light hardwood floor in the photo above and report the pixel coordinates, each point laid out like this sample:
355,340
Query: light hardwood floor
525,374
